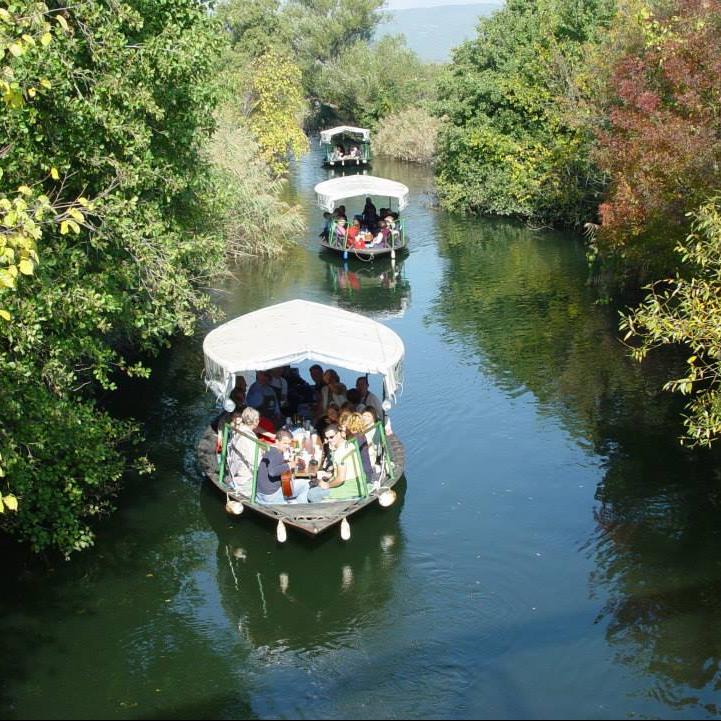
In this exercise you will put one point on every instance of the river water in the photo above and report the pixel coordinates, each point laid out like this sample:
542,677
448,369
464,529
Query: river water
554,552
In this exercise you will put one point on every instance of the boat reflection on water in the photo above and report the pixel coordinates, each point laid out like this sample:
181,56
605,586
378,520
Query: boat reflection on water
379,288
310,593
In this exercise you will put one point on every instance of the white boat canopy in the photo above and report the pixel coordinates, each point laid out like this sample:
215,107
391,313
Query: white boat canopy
329,192
299,330
326,136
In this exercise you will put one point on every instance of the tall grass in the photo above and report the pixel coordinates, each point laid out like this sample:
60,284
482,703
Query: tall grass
256,221
408,135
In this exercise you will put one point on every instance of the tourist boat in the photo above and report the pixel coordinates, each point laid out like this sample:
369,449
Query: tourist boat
329,193
286,334
354,142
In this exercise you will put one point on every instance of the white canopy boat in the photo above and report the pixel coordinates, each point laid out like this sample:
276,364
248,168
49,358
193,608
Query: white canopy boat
329,193
290,333
346,146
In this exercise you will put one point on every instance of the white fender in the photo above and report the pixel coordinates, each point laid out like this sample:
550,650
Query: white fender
345,529
280,533
235,508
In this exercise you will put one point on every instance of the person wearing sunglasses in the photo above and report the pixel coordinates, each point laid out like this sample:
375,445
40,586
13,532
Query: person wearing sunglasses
342,482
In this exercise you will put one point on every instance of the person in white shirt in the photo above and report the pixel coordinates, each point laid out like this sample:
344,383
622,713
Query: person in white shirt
242,451
367,398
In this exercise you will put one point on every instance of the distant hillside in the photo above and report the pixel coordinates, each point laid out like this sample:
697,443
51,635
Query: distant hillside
433,31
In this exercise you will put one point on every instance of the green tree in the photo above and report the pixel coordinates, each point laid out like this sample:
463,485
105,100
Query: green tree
686,310
508,145
124,121
321,29
366,82
254,26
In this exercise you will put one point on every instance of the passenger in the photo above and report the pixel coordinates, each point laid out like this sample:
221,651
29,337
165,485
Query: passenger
367,398
370,215
352,239
300,393
354,152
354,397
339,394
340,231
373,437
327,217
237,395
343,482
265,427
273,465
280,387
316,374
262,397
381,237
329,378
330,416
355,429
339,213
343,421
242,450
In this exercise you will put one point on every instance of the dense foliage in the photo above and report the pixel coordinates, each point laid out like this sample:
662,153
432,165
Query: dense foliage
509,145
662,145
686,310
409,135
367,82
98,108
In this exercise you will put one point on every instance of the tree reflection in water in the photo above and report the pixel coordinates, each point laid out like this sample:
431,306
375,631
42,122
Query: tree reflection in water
521,301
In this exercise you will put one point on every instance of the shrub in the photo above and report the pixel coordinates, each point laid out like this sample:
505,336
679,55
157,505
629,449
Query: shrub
408,135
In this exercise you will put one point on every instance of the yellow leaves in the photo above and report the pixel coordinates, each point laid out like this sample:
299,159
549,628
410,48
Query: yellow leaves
26,267
62,22
54,173
15,49
25,190
10,502
5,16
68,225
4,315
77,215
46,39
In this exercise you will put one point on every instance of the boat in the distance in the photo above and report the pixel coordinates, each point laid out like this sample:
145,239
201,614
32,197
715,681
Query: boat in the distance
329,195
346,147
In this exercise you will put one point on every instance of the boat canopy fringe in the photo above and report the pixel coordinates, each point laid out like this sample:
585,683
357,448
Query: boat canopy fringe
300,330
329,192
326,136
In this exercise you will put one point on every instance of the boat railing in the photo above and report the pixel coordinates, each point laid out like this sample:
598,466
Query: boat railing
387,462
363,157
396,238
359,474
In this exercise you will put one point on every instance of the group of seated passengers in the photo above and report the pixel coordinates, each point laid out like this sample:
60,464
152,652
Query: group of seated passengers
369,229
339,153
340,416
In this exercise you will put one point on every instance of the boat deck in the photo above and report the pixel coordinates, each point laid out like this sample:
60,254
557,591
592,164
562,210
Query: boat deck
311,518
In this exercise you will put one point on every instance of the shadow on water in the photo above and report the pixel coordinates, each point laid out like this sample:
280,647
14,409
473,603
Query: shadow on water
378,289
309,593
519,300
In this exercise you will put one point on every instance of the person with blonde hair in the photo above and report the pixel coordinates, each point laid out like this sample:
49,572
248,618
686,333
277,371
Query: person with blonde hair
355,428
242,450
